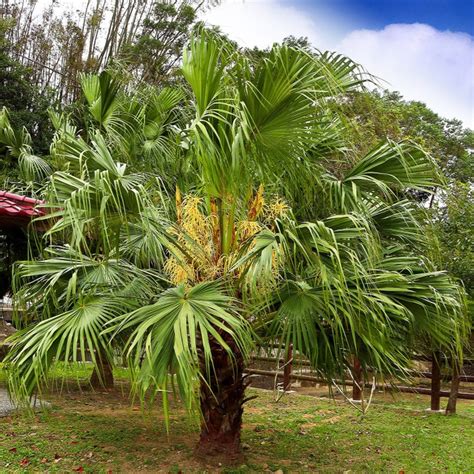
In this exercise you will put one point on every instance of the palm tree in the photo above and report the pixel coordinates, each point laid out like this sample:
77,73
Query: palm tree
263,240
19,158
111,126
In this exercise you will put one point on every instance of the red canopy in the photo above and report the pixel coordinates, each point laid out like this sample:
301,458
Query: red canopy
16,210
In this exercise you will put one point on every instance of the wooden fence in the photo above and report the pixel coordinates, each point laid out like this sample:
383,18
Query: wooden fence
288,373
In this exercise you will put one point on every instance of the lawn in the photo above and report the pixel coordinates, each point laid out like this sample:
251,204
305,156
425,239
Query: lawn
87,431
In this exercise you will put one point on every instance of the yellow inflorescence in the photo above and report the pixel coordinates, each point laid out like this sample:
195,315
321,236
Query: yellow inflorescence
276,208
257,204
198,257
179,272
247,229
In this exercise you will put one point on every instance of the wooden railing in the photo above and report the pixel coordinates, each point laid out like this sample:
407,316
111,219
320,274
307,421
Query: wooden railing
435,377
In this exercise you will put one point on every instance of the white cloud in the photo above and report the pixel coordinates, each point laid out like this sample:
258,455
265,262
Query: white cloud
419,61
423,63
262,22
436,67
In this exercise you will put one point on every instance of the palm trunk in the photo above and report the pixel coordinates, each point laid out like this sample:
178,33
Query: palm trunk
102,375
222,399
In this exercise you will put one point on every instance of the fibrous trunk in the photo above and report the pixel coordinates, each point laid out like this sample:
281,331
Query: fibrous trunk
222,398
102,375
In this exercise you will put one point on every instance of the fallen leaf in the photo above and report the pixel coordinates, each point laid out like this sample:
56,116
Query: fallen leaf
24,462
13,450
79,469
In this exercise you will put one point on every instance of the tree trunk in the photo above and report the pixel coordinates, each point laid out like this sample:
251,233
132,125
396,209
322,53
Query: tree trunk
102,375
222,399
453,394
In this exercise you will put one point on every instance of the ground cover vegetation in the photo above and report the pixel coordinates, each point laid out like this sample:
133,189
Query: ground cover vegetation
228,207
102,431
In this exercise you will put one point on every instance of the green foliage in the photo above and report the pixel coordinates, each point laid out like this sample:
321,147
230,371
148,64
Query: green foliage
373,117
455,230
18,154
26,104
157,50
173,335
336,263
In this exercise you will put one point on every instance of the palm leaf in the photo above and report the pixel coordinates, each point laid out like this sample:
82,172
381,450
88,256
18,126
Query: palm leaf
172,336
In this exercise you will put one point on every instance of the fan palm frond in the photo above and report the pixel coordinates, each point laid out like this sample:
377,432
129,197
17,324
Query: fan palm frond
170,338
71,336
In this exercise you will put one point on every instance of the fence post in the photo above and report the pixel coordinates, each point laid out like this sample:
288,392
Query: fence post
288,368
357,374
435,381
453,394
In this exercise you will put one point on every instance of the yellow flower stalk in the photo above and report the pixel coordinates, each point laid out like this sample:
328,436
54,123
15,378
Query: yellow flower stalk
200,258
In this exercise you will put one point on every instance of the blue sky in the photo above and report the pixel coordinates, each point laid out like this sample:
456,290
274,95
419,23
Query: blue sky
453,15
422,48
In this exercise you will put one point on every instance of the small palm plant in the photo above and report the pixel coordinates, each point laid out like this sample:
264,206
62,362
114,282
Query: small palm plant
19,156
260,243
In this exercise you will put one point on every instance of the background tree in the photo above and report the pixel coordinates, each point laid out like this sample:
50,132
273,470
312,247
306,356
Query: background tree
454,229
375,116
57,46
157,50
26,104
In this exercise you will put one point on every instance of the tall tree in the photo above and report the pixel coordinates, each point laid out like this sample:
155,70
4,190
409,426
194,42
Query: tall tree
157,49
144,37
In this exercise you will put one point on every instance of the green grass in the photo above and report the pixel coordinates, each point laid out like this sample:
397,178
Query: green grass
72,372
99,432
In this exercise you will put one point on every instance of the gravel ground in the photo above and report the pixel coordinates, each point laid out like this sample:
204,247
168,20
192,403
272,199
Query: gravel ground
6,405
